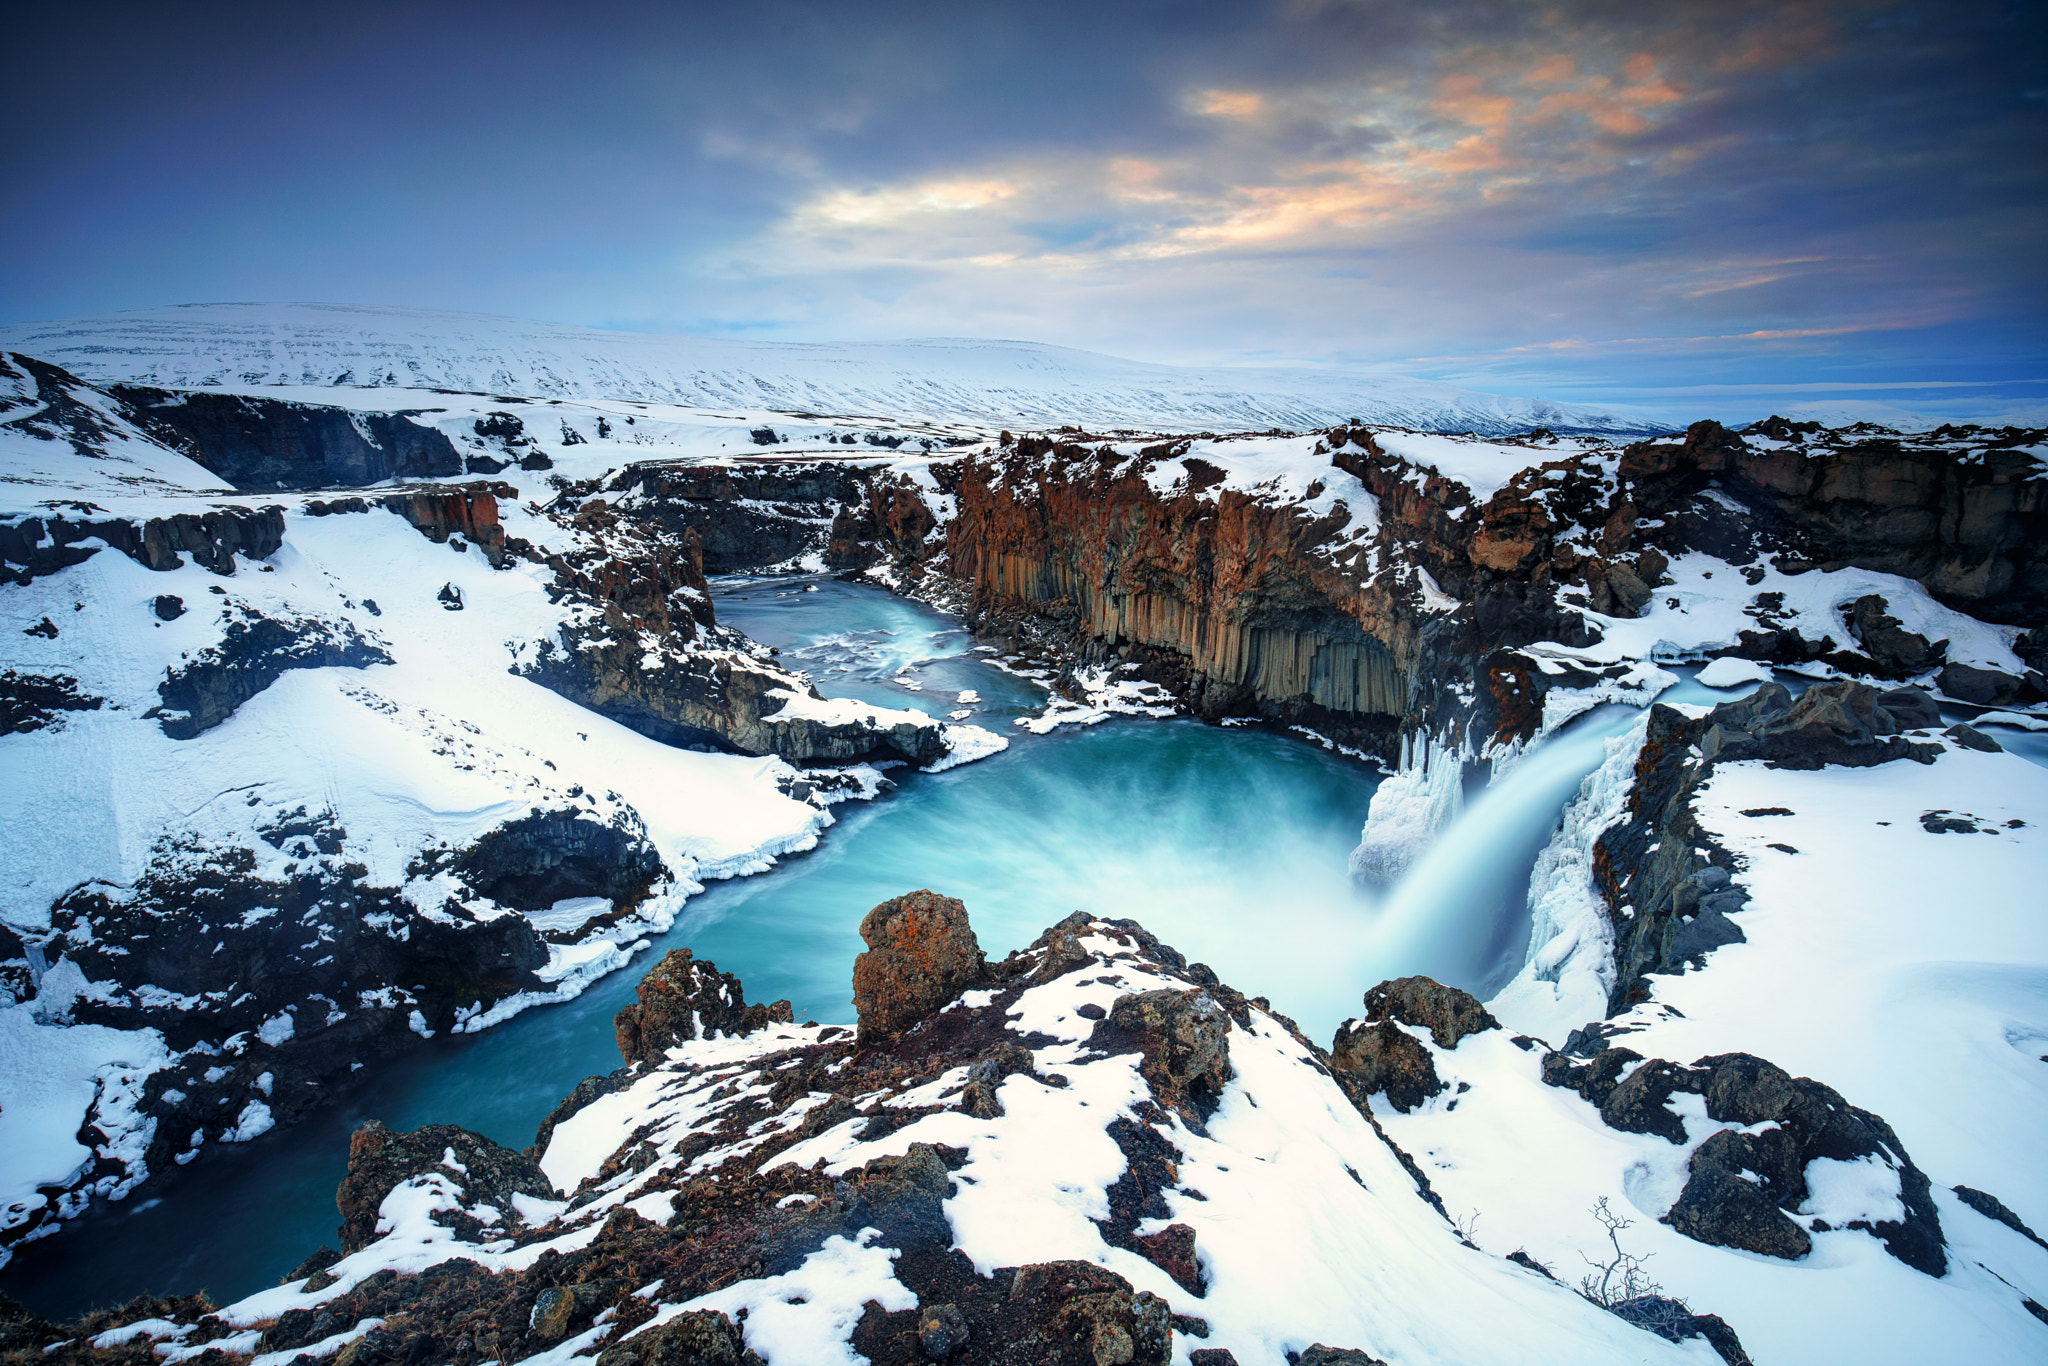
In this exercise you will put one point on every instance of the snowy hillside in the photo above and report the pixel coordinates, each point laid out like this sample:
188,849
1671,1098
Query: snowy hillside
993,383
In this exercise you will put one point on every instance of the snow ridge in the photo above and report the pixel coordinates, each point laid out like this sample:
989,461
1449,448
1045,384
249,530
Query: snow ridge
994,383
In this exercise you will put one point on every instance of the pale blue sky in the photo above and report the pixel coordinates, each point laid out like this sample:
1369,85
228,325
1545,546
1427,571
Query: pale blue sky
1660,203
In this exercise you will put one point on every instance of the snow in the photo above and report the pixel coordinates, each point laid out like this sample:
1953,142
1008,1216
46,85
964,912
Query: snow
1703,609
805,1315
433,750
1730,672
992,383
965,744
1480,465
49,1075
1872,964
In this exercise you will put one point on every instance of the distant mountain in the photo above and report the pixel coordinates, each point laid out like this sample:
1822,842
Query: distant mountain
992,383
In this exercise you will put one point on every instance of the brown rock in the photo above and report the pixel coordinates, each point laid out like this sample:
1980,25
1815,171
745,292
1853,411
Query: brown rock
1172,1250
1094,1308
1446,1012
921,954
681,996
1185,1039
379,1161
1384,1057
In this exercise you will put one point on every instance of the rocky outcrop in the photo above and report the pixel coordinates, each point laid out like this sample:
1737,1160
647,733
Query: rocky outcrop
1894,652
31,701
681,999
379,1161
716,1198
1380,1057
254,652
1383,1059
1962,510
1669,886
34,546
921,954
1184,1037
642,647
751,512
468,513
1446,1012
260,443
266,989
549,856
1743,1180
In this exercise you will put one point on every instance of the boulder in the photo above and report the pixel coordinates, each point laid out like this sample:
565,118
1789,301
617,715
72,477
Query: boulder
1912,708
1830,723
683,998
1385,1057
380,1161
941,1330
1720,1208
921,955
1446,1012
1094,1309
703,1337
1894,651
1987,687
1184,1036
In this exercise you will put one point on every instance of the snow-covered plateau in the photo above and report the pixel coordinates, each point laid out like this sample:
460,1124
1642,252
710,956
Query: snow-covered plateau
363,683
950,381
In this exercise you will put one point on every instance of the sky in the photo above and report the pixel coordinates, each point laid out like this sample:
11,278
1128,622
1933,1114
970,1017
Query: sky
1727,206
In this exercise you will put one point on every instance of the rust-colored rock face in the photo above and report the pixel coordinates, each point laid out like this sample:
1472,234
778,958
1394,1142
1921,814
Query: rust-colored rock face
1229,584
469,509
890,522
921,954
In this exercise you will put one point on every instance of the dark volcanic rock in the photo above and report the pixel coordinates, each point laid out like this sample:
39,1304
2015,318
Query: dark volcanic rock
1830,723
921,954
531,863
1446,1012
1665,880
33,701
1185,1039
1094,1310
379,1161
254,652
1966,523
1742,1184
647,652
1385,1057
34,546
267,443
682,998
1894,651
1673,1321
1719,1205
1991,1207
1988,687
1319,1355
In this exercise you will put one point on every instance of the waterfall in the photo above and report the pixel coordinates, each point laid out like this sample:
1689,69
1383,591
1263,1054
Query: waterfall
1421,798
1460,911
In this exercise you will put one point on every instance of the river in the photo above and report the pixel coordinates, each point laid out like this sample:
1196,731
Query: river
1229,843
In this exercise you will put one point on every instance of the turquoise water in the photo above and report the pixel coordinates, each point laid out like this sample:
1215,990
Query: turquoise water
1229,844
